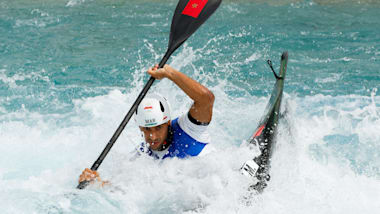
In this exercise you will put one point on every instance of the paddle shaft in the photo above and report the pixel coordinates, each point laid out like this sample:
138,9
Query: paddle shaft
127,117
125,121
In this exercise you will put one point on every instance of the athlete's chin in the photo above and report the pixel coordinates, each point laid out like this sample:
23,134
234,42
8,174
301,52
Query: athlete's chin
154,145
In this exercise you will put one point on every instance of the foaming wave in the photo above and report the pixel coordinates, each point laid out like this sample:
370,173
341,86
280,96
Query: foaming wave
301,180
310,172
72,3
11,81
323,153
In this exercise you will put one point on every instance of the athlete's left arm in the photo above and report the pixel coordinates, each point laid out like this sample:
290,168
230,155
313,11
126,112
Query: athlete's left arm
203,98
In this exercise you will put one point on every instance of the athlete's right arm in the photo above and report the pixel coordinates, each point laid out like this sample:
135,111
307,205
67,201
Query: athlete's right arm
203,98
91,176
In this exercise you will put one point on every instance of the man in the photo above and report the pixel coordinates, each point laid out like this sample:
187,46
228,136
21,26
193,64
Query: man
182,137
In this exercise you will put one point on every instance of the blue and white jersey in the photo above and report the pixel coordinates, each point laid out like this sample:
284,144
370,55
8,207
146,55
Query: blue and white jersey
189,139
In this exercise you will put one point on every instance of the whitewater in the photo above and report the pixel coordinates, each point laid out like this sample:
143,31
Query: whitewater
71,69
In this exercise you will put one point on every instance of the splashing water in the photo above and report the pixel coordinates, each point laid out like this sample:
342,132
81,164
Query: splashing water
70,70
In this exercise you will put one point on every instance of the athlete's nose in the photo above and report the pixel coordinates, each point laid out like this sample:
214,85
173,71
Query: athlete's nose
153,136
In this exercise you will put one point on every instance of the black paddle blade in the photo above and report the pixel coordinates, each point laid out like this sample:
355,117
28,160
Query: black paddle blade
188,17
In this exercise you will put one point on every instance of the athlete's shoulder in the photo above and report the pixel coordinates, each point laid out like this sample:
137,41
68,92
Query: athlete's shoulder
196,131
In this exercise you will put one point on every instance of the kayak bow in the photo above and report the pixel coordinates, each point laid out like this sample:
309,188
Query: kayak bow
264,136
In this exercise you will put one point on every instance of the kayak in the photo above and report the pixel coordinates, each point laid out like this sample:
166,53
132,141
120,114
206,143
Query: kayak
264,136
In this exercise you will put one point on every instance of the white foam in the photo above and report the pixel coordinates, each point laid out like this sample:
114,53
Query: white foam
72,3
39,155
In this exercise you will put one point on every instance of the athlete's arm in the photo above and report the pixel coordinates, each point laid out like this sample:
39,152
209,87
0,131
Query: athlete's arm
203,98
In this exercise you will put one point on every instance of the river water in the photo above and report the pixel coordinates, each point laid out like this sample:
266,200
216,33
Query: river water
71,69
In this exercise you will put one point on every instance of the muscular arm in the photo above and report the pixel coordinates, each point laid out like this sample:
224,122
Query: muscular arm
203,98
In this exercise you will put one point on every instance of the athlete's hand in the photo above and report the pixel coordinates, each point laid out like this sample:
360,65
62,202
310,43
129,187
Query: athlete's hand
164,72
91,176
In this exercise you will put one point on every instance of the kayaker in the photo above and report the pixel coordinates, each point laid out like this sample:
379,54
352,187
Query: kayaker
182,137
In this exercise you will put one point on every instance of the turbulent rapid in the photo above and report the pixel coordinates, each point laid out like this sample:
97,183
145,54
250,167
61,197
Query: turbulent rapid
70,71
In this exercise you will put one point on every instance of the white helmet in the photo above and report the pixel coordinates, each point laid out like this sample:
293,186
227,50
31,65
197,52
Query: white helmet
153,110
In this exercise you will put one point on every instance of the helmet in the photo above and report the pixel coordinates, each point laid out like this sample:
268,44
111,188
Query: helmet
153,110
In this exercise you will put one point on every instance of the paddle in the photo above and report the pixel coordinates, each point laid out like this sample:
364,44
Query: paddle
188,16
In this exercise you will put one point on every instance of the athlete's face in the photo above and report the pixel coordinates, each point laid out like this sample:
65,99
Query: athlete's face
156,136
